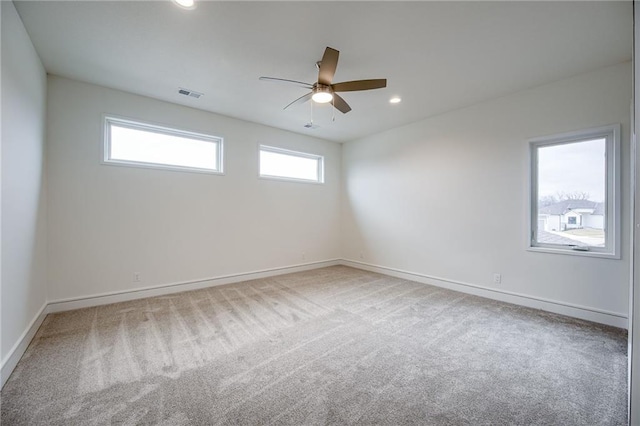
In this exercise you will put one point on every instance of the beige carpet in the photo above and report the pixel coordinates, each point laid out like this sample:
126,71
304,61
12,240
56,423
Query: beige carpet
329,346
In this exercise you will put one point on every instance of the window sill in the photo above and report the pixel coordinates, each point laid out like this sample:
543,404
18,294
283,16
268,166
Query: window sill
140,165
574,252
294,180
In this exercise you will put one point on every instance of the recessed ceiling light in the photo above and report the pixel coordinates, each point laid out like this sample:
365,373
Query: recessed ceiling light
186,4
395,100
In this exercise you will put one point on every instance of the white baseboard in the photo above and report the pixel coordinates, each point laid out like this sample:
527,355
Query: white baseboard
16,352
11,360
62,305
583,312
591,314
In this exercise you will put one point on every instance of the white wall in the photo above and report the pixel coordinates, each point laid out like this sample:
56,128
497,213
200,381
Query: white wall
554,223
107,222
593,221
23,279
634,305
447,197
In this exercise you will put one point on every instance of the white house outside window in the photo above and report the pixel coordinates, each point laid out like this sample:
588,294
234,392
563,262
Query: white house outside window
575,198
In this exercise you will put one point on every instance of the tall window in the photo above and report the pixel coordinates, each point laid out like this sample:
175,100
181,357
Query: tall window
291,165
575,192
134,143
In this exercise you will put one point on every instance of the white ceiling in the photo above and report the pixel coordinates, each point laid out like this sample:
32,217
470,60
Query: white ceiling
438,56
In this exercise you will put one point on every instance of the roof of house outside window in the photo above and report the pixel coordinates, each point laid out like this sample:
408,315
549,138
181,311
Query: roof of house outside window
564,206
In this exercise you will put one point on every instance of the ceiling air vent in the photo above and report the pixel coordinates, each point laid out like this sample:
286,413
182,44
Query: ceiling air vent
190,93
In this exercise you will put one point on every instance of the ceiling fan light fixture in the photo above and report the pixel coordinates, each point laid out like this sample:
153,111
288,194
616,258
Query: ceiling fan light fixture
322,95
186,4
324,90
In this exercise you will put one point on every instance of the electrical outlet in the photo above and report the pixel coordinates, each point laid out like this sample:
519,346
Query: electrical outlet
136,277
497,278
361,255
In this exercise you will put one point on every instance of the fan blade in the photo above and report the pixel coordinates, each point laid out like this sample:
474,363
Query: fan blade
300,100
352,86
328,66
340,104
282,80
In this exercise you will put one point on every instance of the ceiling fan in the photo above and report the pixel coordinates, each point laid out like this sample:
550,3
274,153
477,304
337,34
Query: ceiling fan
323,91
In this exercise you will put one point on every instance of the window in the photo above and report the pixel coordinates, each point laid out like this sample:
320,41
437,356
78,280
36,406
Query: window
575,198
139,144
291,165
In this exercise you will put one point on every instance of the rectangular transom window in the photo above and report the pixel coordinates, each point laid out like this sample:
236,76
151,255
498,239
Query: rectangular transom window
291,165
134,143
575,197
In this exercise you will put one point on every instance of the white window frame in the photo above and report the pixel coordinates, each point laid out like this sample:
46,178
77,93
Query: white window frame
156,128
277,150
611,134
